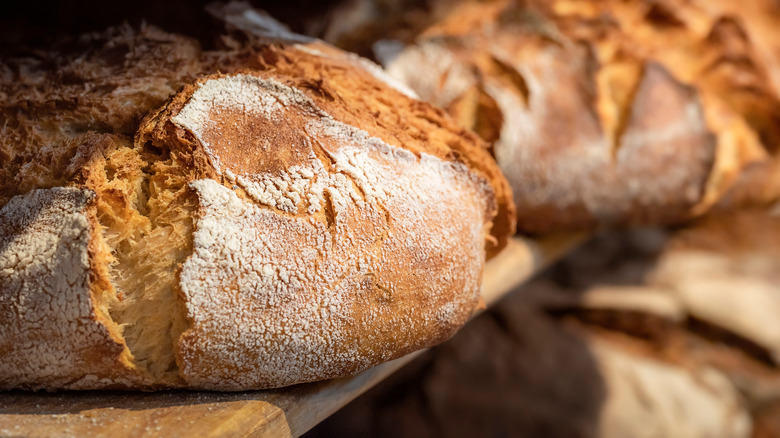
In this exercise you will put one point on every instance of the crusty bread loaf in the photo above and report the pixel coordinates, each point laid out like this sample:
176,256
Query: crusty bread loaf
604,113
287,215
727,51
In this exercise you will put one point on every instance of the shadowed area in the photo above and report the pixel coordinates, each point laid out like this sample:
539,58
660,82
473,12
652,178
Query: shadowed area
514,371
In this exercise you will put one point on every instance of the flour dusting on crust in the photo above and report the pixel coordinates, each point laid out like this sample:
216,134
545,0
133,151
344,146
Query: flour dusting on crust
48,333
307,182
276,299
553,146
244,94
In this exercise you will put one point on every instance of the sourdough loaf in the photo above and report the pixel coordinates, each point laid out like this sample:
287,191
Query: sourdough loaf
260,215
602,113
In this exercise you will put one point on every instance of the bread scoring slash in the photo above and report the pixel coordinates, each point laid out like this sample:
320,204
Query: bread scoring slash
282,215
601,113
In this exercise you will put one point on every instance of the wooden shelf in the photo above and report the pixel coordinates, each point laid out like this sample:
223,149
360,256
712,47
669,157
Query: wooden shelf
283,412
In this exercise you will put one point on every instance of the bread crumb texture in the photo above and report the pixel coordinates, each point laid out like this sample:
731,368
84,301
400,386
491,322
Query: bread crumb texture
54,330
243,218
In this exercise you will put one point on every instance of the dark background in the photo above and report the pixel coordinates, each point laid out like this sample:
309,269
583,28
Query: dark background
29,24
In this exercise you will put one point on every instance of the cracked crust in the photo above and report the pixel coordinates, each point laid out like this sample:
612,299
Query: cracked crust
292,218
54,327
608,113
317,239
575,155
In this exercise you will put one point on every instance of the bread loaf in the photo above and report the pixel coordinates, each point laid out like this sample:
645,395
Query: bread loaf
603,113
281,214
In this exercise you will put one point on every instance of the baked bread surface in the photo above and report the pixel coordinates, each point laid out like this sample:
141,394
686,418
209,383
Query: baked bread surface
281,214
606,113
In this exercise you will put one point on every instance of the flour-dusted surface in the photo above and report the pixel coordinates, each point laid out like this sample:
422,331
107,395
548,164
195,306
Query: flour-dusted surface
357,253
245,98
49,335
552,107
384,206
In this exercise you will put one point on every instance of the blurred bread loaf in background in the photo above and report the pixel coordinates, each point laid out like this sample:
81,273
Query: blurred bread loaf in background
600,113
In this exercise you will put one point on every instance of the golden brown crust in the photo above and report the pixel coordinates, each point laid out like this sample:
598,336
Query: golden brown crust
569,93
61,111
570,165
366,229
718,49
385,113
53,331
322,200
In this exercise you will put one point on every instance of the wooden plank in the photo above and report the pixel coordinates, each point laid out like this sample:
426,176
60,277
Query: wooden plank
282,412
116,414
